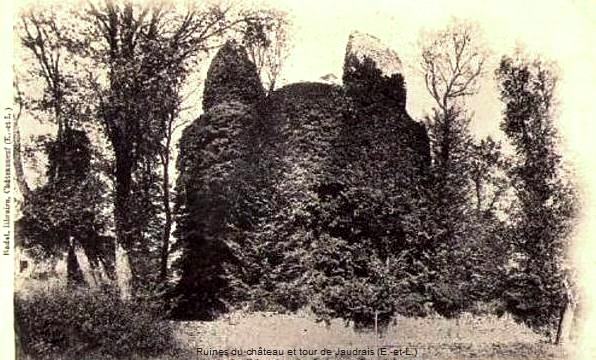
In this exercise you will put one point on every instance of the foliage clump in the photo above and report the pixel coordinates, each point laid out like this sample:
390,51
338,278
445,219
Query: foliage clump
56,322
78,221
539,282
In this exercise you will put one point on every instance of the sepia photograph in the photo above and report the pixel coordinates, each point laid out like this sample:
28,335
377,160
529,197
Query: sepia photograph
277,179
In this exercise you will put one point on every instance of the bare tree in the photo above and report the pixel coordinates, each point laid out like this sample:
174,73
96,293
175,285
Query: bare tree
267,40
452,62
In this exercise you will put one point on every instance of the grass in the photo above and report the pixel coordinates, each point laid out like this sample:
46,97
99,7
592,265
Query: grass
485,337
468,337
433,338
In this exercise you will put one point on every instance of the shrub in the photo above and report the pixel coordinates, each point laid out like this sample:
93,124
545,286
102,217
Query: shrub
533,300
412,304
448,299
60,322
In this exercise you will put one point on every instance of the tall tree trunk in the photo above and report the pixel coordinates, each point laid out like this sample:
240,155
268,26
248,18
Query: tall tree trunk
123,272
565,323
165,249
74,275
478,185
92,269
124,221
271,86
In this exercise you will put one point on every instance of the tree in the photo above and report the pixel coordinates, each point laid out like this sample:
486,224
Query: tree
63,214
537,289
42,37
488,173
173,123
266,38
452,63
123,66
488,219
148,51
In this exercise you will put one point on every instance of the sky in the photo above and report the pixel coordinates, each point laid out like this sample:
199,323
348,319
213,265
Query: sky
562,31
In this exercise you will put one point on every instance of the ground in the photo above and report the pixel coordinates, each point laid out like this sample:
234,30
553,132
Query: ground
469,337
486,337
